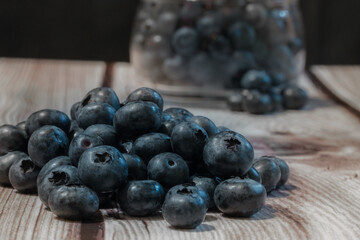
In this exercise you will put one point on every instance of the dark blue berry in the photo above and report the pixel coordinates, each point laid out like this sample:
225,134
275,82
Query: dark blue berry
169,169
185,41
184,209
239,197
208,184
284,169
101,95
12,139
136,167
23,174
209,25
257,103
242,35
73,202
50,165
95,113
56,177
5,163
47,117
179,113
195,189
294,97
47,143
228,154
137,118
151,144
168,126
254,79
103,168
74,110
141,198
269,171
206,124
188,140
146,94
106,132
80,144
22,127
74,130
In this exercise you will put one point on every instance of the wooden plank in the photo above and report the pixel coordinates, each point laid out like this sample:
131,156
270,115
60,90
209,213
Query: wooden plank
341,81
320,143
322,146
26,86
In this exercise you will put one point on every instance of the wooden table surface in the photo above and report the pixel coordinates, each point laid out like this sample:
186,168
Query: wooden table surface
321,144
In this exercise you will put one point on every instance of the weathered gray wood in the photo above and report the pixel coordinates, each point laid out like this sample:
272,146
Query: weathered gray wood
320,143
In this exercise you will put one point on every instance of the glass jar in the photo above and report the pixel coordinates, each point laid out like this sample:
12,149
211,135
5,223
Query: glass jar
211,44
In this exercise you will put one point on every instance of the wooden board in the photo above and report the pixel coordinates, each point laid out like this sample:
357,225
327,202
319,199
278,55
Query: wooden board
342,81
320,143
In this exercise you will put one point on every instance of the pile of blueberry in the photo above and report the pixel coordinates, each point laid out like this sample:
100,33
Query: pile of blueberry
216,42
133,153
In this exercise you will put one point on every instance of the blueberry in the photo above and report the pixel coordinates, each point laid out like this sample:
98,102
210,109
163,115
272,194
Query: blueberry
184,209
294,97
254,79
284,169
190,12
242,35
179,113
276,97
228,154
223,129
191,186
245,60
151,144
22,127
5,163
185,41
103,168
74,110
73,202
208,184
146,94
56,177
47,143
169,169
256,14
126,147
141,198
47,117
175,69
50,165
269,171
188,140
209,25
80,144
137,118
23,174
95,113
136,167
168,126
74,130
253,174
11,139
258,103
101,95
106,132
239,198
219,47
206,124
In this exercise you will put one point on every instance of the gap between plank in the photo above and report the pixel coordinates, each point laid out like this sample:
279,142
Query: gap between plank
108,78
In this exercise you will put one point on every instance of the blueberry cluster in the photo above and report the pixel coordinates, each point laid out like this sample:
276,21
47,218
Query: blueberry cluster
136,155
217,42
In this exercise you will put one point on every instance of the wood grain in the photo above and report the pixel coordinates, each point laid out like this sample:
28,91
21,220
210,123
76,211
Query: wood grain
341,81
321,144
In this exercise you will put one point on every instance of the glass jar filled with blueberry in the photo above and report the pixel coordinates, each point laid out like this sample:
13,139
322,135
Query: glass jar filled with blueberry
215,43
